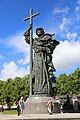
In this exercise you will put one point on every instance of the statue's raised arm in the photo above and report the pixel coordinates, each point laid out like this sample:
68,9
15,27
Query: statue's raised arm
27,34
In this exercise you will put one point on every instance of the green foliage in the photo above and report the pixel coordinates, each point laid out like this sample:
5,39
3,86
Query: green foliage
62,84
69,84
10,112
12,89
1,90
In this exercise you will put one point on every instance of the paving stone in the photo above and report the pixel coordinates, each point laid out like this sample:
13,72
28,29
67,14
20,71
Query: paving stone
62,116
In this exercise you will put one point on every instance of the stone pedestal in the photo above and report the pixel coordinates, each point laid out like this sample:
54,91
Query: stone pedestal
38,105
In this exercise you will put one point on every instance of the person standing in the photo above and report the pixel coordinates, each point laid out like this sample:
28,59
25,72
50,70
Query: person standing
21,105
1,108
18,108
50,106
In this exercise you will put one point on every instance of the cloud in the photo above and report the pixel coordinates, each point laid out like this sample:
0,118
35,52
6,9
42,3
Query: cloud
58,10
66,55
64,24
17,41
11,70
25,60
71,36
77,11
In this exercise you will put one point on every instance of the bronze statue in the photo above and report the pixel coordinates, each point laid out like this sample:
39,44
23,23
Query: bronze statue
42,66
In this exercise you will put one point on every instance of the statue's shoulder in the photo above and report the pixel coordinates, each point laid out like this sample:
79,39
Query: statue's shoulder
44,38
47,36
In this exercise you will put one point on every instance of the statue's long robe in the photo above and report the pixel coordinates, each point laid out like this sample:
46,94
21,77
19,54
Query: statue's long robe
39,67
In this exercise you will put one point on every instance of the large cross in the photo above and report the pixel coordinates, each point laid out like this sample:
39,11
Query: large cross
30,17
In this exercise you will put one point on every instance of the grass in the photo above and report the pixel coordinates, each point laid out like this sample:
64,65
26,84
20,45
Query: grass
9,112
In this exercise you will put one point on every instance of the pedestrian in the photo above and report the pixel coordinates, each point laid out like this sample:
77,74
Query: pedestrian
75,104
50,106
21,105
1,108
18,108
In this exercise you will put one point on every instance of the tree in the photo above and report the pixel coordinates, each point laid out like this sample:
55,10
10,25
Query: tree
13,89
1,90
69,84
8,89
62,84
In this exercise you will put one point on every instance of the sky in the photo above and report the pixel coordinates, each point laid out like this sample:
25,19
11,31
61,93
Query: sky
59,17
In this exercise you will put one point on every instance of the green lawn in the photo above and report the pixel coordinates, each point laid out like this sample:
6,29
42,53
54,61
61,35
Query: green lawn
9,112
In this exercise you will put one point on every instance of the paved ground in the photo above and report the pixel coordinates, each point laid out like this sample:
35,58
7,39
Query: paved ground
62,116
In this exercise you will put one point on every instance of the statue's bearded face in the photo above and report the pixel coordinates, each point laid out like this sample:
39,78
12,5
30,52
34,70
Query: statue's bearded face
39,32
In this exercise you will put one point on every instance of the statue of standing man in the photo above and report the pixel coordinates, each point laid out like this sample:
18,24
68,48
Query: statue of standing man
42,80
43,68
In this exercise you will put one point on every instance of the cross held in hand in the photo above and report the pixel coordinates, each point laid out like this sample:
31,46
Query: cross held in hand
30,17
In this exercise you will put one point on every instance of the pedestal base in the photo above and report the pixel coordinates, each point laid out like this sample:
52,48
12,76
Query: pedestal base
38,105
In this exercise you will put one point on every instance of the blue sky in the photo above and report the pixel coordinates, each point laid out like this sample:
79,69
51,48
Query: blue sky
61,17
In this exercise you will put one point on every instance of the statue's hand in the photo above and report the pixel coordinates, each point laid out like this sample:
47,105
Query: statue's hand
27,33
